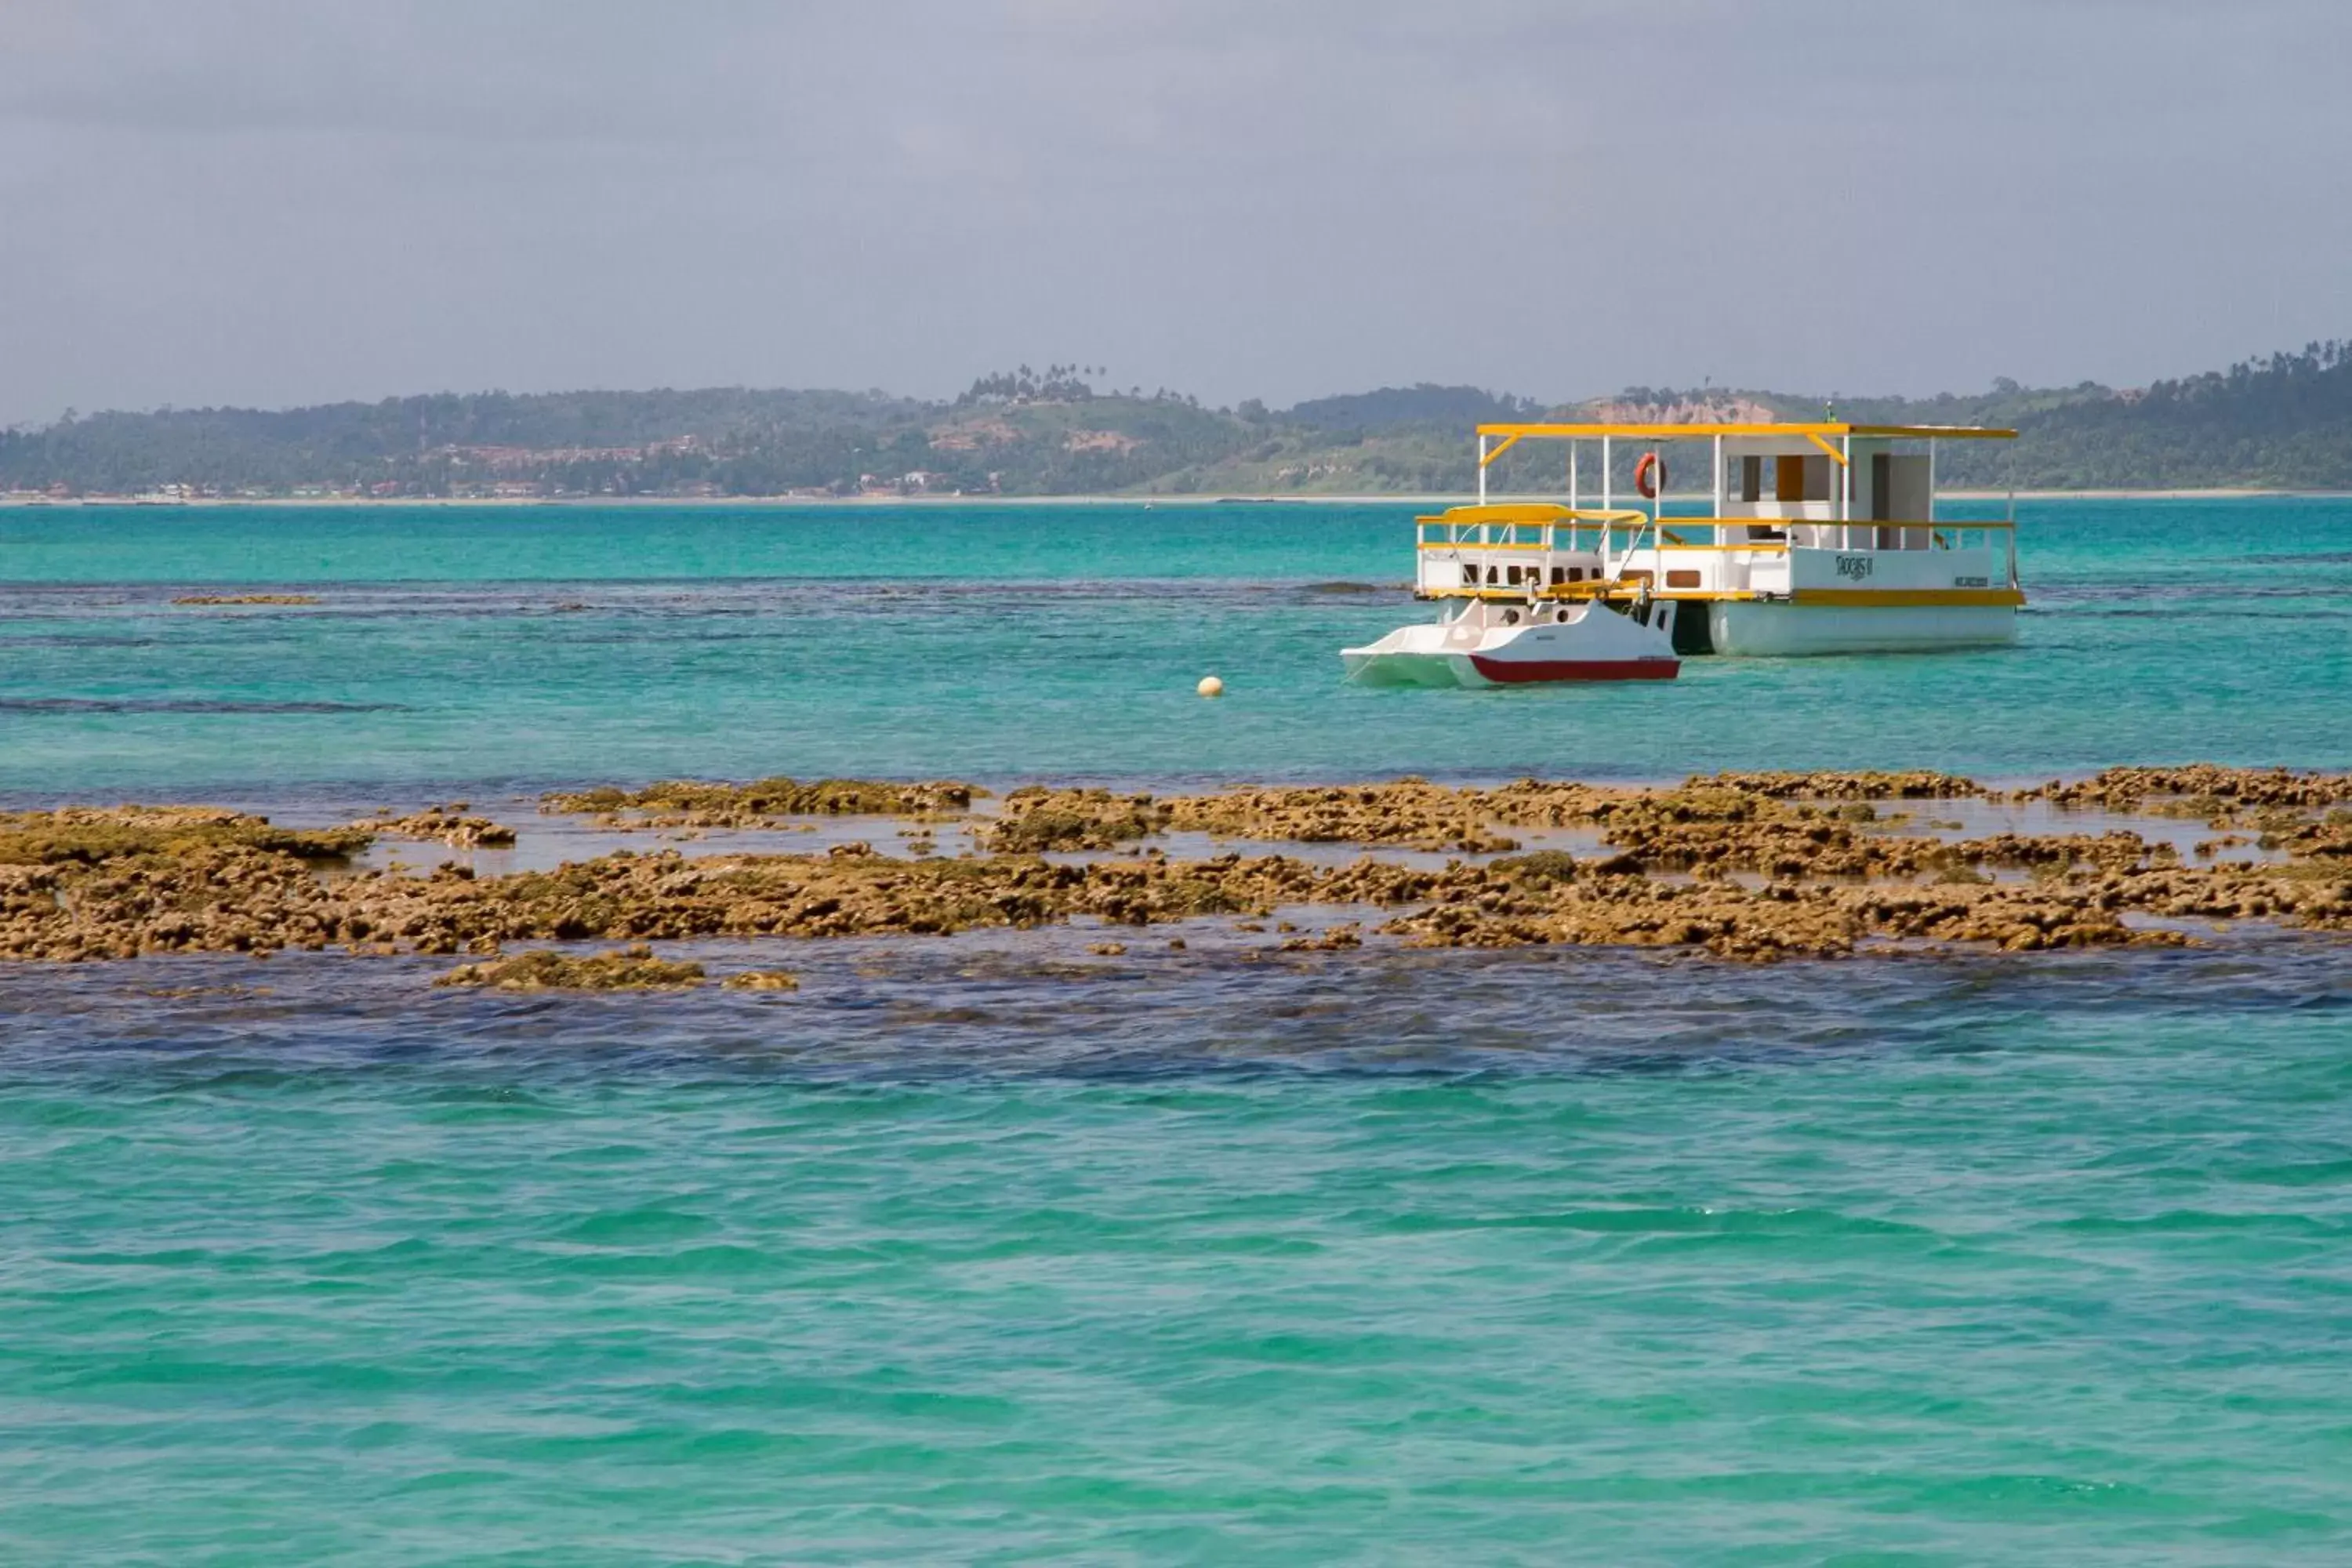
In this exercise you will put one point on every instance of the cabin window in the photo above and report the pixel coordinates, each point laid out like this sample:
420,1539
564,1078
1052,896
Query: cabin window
1789,479
1779,478
1470,576
1682,579
1558,575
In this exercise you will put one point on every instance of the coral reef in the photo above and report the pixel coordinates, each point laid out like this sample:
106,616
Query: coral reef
1725,865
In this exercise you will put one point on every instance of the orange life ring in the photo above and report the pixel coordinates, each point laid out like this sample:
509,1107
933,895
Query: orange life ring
1650,476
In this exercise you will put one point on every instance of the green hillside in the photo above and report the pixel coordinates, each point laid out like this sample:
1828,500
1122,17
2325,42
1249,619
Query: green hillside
2285,421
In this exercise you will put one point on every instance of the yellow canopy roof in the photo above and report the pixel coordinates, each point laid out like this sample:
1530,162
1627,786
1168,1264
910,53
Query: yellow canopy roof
1677,432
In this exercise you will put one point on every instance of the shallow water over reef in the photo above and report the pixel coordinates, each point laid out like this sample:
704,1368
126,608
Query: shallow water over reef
995,1249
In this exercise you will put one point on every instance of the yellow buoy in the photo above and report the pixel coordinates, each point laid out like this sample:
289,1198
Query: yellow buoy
1211,687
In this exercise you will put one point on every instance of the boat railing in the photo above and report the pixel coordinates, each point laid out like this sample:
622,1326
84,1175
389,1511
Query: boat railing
1557,528
1618,534
1571,529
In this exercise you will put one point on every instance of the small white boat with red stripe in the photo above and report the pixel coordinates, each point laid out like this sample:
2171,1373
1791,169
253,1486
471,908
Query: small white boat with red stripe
1489,643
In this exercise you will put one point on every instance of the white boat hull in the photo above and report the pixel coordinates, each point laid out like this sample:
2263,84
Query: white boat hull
1762,630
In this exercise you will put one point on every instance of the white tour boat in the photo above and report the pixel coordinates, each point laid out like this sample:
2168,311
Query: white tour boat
1818,538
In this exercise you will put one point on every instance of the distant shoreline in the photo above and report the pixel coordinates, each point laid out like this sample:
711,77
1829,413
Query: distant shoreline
126,503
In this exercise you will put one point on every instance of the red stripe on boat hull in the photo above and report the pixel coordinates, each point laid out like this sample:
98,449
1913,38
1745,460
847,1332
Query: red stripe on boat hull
1518,671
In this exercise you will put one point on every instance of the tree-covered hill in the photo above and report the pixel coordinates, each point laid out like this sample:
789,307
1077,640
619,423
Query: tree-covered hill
2280,423
2283,422
411,442
1419,407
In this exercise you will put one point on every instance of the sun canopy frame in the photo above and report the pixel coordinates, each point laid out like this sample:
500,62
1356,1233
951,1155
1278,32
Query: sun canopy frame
1834,438
1682,432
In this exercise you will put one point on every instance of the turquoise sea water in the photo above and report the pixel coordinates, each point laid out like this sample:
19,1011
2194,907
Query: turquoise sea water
986,1249
475,647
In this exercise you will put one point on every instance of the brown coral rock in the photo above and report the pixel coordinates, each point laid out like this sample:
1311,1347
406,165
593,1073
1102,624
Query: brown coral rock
2125,789
761,979
688,803
1914,784
442,825
1411,814
91,835
1036,819
634,968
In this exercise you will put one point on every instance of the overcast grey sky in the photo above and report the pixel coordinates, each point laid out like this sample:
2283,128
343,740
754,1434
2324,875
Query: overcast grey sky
232,201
